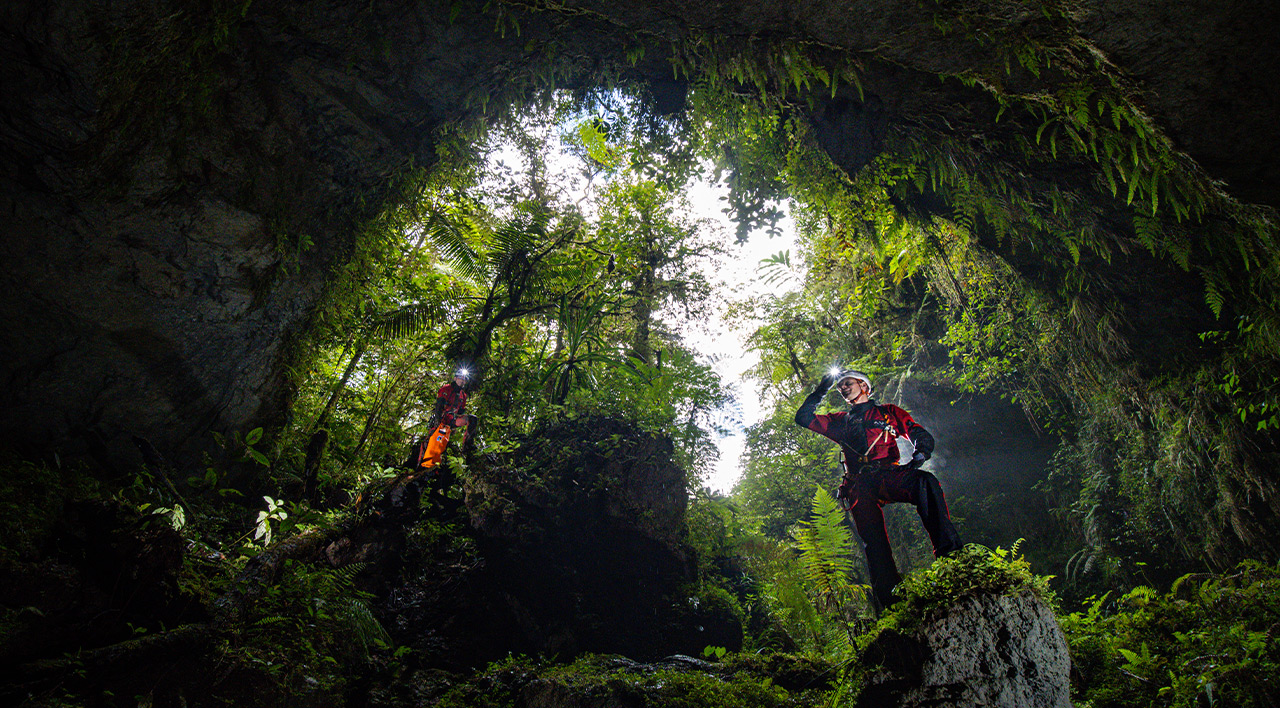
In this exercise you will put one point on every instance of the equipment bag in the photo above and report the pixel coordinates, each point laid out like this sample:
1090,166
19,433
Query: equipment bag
433,451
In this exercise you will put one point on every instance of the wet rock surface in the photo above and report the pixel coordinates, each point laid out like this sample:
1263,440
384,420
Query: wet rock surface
985,650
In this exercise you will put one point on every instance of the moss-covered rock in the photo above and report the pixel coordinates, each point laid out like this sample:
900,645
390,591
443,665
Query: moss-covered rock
976,629
570,543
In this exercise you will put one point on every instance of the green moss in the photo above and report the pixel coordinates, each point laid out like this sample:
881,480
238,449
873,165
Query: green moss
717,601
927,594
973,570
762,682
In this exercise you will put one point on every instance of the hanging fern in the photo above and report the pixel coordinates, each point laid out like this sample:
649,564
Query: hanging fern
1213,296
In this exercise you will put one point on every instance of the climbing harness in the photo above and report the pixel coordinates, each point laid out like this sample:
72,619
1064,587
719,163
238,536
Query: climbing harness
844,493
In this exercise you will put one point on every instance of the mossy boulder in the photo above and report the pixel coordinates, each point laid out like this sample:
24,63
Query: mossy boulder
976,629
571,543
985,650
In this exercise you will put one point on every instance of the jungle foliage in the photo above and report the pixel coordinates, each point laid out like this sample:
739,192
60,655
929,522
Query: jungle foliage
1209,640
555,263
553,257
971,264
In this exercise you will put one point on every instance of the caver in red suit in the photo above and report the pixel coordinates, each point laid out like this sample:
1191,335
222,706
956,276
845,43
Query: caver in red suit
868,437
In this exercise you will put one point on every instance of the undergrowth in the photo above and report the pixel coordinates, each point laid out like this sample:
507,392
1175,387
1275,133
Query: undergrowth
754,682
1211,640
310,630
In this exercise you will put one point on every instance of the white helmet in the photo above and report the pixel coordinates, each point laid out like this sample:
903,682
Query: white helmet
851,374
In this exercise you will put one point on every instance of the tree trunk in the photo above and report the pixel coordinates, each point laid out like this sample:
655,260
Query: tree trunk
645,286
361,348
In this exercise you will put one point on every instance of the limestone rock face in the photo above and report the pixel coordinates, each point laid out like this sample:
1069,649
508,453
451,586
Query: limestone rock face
991,651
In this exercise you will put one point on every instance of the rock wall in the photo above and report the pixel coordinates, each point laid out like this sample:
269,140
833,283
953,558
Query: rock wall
161,171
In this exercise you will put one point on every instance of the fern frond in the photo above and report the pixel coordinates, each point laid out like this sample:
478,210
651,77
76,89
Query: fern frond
1148,232
1213,297
405,322
826,549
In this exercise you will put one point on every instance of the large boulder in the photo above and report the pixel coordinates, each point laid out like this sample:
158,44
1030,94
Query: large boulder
574,545
991,650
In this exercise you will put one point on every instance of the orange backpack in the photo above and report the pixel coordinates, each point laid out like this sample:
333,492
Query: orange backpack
433,451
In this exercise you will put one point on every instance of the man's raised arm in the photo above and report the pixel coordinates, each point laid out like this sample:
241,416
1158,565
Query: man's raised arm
809,409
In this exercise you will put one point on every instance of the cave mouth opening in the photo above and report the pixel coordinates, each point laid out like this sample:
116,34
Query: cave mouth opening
247,246
986,201
975,239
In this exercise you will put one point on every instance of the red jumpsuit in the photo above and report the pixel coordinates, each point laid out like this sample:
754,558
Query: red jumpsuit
451,401
868,436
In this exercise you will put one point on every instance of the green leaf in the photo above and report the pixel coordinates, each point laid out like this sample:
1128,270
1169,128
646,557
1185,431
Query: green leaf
1040,131
253,436
1213,298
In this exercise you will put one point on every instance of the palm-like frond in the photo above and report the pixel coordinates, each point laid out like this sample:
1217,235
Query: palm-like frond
776,268
406,321
514,240
579,320
452,246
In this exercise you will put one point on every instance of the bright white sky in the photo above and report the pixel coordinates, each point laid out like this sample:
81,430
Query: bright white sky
738,273
714,340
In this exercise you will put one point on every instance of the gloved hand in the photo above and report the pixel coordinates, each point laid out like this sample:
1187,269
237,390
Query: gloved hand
918,459
845,490
825,383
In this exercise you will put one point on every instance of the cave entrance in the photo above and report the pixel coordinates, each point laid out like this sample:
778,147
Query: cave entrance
201,228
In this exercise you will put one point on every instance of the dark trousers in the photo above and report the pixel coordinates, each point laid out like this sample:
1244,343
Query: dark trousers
469,432
874,487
